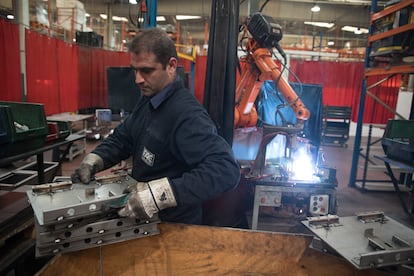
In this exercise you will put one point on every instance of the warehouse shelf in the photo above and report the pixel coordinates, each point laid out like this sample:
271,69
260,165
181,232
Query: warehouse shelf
393,68
398,69
390,33
390,10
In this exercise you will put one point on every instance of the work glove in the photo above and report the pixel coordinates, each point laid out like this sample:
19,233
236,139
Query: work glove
148,198
91,164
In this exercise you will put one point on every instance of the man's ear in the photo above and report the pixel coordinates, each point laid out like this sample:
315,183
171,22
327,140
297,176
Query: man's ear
172,65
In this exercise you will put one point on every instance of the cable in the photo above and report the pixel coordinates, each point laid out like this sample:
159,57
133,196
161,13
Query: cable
263,5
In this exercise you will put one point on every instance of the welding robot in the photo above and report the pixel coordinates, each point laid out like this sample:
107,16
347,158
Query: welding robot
284,159
263,36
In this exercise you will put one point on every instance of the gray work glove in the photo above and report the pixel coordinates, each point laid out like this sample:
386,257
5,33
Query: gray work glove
91,164
148,198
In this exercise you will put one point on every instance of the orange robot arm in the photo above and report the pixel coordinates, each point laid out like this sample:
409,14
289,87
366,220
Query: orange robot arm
259,68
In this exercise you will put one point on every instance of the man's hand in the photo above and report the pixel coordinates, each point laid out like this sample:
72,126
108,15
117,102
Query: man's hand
91,164
148,198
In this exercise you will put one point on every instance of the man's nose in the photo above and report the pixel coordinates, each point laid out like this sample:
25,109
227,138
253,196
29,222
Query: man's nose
138,77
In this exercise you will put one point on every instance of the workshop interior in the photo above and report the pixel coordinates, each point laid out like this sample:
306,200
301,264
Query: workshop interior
315,99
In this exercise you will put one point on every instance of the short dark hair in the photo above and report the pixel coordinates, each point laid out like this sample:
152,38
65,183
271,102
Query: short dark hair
154,40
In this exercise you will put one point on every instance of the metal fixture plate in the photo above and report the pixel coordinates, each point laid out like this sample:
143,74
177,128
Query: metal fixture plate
73,216
77,202
99,239
376,243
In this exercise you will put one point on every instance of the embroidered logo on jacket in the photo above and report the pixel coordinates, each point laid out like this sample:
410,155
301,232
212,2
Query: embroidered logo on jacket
148,157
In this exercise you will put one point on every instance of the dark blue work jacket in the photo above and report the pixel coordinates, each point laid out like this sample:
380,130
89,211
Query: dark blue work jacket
173,136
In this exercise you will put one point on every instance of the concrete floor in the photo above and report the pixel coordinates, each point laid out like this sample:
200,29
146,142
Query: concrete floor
350,200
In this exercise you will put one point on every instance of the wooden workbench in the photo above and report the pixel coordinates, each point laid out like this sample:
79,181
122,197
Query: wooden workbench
202,250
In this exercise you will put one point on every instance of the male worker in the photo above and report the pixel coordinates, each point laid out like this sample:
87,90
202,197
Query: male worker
179,160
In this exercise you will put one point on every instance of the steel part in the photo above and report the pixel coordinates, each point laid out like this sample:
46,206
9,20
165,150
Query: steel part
324,221
369,217
138,231
111,178
76,203
89,230
381,242
84,216
51,187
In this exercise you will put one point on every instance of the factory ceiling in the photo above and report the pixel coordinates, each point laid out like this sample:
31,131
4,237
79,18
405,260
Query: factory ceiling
290,14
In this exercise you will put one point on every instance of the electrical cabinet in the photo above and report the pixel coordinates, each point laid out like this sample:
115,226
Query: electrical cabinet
335,125
390,52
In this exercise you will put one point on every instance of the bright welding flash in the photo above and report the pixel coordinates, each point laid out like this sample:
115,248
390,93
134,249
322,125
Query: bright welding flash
303,168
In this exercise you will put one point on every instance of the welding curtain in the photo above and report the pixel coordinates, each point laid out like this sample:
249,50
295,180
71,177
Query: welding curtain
63,76
67,77
342,84
9,62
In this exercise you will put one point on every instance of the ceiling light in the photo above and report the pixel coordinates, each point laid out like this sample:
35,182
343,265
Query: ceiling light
331,43
10,16
133,2
355,30
118,18
315,8
103,16
187,17
161,18
320,24
358,31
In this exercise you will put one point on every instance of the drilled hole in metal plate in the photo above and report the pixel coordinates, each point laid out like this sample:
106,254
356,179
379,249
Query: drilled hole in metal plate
136,230
66,245
118,234
88,240
68,234
92,207
119,223
89,229
137,220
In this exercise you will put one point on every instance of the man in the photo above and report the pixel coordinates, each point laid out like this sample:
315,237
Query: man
179,160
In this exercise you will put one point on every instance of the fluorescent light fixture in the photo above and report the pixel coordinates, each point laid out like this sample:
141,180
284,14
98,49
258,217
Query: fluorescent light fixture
87,14
118,18
355,30
187,17
331,43
103,16
320,24
161,18
315,8
358,31
10,16
133,2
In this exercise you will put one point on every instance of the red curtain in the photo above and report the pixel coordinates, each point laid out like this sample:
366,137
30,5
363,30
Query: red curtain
9,62
42,71
93,90
341,81
66,77
68,72
387,92
342,84
200,77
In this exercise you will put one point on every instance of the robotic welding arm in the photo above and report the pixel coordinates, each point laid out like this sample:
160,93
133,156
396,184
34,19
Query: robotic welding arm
260,66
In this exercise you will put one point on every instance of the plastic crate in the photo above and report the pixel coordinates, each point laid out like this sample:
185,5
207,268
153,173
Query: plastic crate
5,135
60,130
398,140
22,121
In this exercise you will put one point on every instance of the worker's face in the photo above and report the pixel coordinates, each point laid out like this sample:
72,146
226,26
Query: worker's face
150,75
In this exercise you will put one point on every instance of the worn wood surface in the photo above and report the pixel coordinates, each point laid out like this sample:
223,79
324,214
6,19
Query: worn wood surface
202,250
